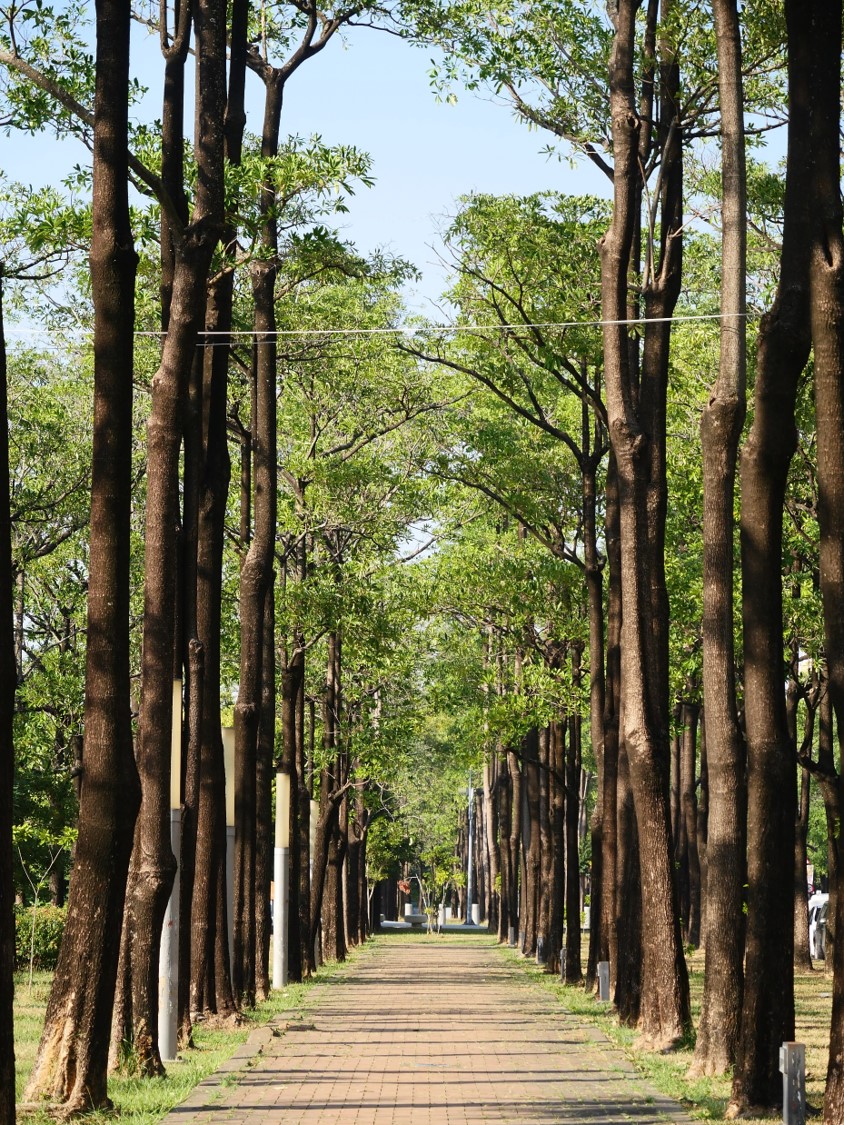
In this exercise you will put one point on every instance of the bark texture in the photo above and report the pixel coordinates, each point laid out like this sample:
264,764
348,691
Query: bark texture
783,348
207,461
8,683
721,424
154,866
816,28
256,572
636,415
72,1059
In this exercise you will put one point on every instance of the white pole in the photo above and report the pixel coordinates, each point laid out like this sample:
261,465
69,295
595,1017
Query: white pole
312,835
281,903
168,960
228,764
470,876
312,846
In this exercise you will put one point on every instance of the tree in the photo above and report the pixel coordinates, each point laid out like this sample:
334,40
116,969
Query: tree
636,423
8,682
721,424
72,1055
782,351
816,31
153,862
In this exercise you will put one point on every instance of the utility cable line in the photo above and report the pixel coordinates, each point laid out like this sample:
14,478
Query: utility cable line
207,339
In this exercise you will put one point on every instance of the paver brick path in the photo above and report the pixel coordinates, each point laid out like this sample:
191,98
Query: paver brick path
423,1031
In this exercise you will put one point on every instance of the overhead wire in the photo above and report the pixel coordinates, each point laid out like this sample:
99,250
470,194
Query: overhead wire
224,338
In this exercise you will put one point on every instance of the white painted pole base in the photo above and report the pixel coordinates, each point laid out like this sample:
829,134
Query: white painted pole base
281,877
230,889
168,960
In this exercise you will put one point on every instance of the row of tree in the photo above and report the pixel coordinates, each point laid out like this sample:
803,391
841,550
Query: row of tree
637,127
240,247
549,441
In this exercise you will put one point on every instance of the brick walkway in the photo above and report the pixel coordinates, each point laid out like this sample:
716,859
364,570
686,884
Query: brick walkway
428,1031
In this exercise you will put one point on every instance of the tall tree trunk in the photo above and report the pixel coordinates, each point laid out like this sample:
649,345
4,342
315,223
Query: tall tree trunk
598,949
493,847
303,773
481,858
504,799
199,906
356,834
194,247
828,781
546,854
8,684
802,957
333,938
677,822
558,842
721,424
803,750
611,802
292,674
209,952
73,1052
256,573
628,900
816,29
637,431
364,927
514,849
331,792
691,712
703,827
190,808
532,842
783,348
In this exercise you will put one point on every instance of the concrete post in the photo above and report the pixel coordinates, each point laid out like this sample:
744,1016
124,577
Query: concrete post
168,956
793,1068
470,874
228,764
603,980
312,846
281,902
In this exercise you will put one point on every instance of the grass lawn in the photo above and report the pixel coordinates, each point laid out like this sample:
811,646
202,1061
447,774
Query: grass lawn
143,1101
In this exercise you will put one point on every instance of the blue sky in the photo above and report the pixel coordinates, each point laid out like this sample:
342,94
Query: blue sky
374,92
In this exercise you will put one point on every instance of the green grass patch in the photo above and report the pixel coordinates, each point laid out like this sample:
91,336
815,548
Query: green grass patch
144,1101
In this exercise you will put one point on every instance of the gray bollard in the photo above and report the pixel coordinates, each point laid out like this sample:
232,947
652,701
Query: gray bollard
562,963
541,956
603,980
793,1068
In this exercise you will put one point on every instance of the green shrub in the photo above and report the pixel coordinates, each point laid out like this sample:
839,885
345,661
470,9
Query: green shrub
49,927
